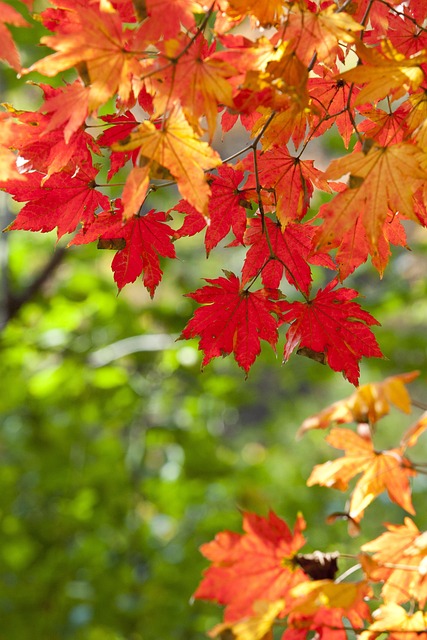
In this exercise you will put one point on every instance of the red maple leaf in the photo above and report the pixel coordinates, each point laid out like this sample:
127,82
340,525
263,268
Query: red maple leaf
256,565
122,125
333,326
233,320
289,178
291,247
330,98
166,18
147,237
225,209
68,107
194,221
43,148
354,247
63,200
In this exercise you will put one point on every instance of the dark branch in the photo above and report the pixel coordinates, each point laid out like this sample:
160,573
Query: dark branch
14,302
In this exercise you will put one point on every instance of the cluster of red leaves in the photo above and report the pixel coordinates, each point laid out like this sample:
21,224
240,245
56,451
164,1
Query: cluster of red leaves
265,581
171,68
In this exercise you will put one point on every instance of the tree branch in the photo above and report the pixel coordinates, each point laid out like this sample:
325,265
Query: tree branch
14,302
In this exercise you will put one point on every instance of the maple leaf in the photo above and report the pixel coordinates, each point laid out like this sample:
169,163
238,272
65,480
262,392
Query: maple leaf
135,191
291,248
292,180
394,620
386,72
176,147
384,127
199,81
418,10
68,107
267,13
400,562
50,153
354,247
100,42
330,96
46,150
194,221
386,470
8,51
367,404
405,34
290,122
319,32
256,627
411,435
8,167
225,208
257,565
62,201
332,325
165,17
121,127
383,179
233,319
147,237
321,606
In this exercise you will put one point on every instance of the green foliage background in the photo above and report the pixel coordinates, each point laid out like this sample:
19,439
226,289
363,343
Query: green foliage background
119,459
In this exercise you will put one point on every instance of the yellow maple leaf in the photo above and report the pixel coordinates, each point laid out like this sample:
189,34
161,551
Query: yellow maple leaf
383,179
368,403
393,619
176,147
309,596
385,73
257,627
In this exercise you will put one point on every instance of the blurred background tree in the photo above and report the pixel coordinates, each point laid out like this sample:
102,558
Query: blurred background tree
118,457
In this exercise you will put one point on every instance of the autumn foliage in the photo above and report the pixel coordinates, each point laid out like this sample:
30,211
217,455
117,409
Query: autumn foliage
157,80
157,87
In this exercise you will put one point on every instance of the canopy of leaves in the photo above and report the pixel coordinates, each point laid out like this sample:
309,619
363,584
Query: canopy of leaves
105,456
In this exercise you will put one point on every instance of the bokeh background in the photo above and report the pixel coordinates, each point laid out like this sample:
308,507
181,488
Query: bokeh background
119,457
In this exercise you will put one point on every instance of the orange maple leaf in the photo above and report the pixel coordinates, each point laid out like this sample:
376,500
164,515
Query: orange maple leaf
68,107
176,147
385,178
368,403
385,470
8,51
320,32
400,557
267,12
8,168
102,44
257,565
386,72
199,80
